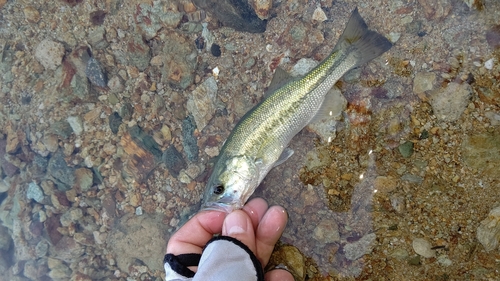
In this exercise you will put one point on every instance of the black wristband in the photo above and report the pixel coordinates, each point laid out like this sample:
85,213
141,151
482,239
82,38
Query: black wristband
180,263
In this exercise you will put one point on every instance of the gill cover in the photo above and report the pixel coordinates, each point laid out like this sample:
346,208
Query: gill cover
231,183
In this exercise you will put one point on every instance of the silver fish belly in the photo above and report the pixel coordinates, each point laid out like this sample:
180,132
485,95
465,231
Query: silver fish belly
259,141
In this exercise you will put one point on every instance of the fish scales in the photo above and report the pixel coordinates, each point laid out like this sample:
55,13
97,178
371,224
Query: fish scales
259,140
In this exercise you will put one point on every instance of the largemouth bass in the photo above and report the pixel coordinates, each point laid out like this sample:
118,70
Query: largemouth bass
259,141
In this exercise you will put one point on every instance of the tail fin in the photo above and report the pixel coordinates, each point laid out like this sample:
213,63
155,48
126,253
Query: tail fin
364,43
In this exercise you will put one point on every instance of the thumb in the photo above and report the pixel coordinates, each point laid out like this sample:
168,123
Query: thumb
239,226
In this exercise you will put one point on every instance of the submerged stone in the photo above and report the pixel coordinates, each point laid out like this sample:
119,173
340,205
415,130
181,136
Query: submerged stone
488,232
173,160
96,73
179,60
482,152
134,52
450,102
423,247
201,102
62,129
60,172
35,192
236,14
406,149
188,139
145,141
114,122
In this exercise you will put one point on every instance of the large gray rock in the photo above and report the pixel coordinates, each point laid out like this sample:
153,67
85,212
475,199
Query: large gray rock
201,102
138,237
450,102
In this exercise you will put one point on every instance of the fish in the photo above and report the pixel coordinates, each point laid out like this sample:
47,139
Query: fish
259,141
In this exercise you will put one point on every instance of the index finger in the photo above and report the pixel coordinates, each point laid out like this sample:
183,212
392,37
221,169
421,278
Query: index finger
192,237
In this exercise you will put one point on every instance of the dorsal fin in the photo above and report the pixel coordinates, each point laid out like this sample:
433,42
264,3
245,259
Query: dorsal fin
280,78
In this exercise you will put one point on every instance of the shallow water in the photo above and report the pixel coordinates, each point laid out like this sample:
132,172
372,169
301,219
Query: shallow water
99,170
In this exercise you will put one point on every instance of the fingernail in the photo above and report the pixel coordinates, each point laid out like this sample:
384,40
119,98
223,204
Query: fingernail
235,223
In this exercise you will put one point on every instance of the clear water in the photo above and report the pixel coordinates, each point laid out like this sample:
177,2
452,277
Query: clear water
97,173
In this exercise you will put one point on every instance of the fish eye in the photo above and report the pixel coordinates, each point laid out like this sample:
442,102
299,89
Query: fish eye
219,189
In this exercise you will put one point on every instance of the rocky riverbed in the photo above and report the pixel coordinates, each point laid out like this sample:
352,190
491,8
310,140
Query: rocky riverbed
111,113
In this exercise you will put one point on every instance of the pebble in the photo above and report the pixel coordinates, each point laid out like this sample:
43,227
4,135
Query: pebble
215,50
13,143
51,142
61,173
482,152
488,232
319,15
400,254
76,124
97,38
49,54
34,192
356,250
60,272
262,8
385,184
173,161
114,121
8,168
412,178
423,82
201,102
406,149
303,66
62,129
423,247
96,73
166,133
31,14
212,151
444,260
34,269
449,103
494,117
289,257
489,64
41,248
84,178
68,249
115,84
327,231
59,200
398,203
145,141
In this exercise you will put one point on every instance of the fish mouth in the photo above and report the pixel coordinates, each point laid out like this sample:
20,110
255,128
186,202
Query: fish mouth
214,206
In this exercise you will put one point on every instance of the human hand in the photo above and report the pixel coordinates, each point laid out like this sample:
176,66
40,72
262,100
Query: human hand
256,225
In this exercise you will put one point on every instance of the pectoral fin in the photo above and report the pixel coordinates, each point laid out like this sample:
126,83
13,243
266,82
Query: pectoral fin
284,156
